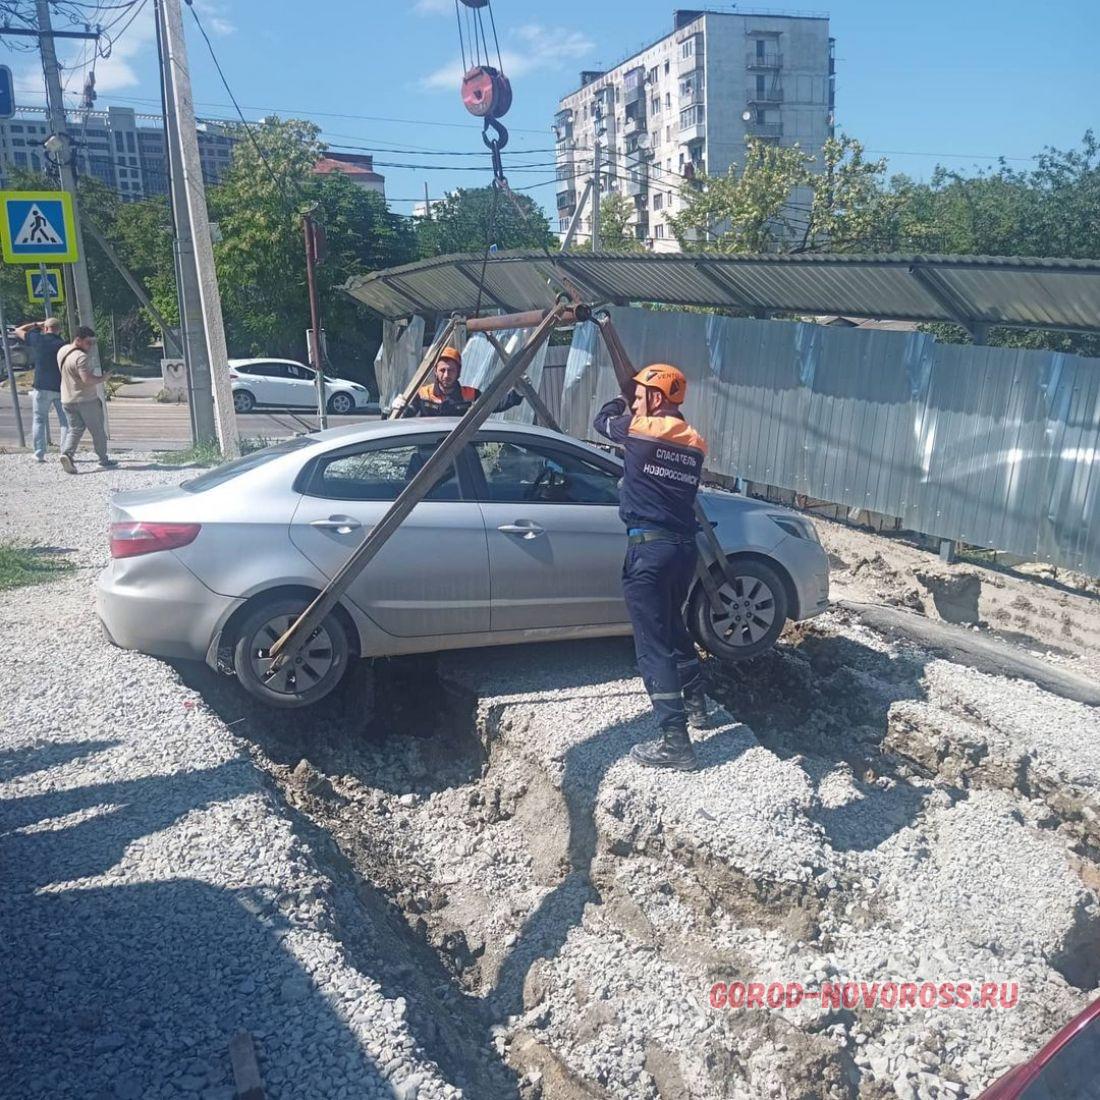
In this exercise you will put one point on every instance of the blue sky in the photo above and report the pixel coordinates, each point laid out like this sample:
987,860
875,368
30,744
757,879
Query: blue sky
955,83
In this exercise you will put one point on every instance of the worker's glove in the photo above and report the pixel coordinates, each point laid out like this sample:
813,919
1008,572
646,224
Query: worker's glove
399,404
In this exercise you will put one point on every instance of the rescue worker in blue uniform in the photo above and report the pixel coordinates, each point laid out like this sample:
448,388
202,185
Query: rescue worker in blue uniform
663,465
446,396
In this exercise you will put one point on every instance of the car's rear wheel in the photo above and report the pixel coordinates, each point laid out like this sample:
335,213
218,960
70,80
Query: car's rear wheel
754,609
243,401
341,404
313,674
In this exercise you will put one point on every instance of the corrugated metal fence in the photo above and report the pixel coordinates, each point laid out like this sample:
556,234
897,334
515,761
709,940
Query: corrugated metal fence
991,446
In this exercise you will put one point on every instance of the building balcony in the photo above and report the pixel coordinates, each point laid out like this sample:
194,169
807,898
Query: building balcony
764,129
634,125
692,131
691,97
685,66
765,98
567,198
633,86
769,60
637,183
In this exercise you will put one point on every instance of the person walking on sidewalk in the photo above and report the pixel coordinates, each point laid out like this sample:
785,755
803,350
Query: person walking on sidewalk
663,461
43,339
80,398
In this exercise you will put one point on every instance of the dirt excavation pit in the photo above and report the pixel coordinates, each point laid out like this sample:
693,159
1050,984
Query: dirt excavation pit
565,924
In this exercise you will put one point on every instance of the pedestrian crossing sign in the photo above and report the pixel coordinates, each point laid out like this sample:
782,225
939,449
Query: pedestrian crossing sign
38,284
37,226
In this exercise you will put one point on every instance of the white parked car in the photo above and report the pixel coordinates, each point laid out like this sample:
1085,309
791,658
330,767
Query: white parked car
285,384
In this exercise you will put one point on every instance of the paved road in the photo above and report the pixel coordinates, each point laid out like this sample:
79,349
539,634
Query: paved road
139,423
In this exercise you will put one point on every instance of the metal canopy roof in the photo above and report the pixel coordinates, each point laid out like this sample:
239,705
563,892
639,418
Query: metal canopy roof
969,290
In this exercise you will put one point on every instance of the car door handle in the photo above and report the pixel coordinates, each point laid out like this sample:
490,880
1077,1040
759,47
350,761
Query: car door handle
528,528
343,524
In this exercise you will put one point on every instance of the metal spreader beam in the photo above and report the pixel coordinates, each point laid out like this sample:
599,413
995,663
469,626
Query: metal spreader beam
287,649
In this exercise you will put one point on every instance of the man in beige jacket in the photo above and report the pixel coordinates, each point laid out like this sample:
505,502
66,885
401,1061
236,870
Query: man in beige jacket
80,399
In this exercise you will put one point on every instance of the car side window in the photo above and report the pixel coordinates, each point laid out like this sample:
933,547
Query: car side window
379,474
298,372
260,370
516,472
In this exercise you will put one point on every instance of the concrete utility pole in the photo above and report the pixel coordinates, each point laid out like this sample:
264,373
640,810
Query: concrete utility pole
196,363
59,129
183,129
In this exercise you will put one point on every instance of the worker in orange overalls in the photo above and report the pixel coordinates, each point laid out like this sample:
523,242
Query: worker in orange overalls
446,396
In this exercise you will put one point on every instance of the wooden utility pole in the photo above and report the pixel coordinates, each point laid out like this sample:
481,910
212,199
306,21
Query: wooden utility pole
184,131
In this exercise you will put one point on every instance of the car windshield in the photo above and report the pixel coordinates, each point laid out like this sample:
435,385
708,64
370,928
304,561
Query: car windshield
229,470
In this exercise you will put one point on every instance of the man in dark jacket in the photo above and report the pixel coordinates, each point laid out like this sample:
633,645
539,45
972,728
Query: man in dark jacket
43,340
446,396
663,464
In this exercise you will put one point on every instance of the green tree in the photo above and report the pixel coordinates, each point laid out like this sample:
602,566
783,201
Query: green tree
261,258
616,230
468,219
782,200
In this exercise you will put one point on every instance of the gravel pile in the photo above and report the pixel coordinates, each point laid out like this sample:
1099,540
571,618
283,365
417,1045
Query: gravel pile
157,897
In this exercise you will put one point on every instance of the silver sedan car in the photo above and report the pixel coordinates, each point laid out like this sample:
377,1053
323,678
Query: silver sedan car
520,541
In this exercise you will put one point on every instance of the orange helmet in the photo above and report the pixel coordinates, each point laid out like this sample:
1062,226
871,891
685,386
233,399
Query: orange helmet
669,380
453,354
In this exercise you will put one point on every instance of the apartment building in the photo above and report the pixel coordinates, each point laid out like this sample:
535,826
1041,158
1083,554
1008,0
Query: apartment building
127,151
686,104
123,149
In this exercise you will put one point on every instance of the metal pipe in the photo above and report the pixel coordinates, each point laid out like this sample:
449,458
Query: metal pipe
289,646
314,349
529,319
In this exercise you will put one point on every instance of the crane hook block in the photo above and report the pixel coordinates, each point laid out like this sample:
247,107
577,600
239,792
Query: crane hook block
486,92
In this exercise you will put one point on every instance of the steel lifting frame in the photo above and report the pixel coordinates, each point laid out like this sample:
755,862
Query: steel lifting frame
288,648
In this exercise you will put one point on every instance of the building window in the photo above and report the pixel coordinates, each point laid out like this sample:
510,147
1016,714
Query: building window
655,105
666,68
21,158
668,100
668,133
659,229
760,86
130,144
118,141
692,116
760,49
658,200
15,129
687,47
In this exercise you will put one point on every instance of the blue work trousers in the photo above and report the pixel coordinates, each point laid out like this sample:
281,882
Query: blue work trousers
656,578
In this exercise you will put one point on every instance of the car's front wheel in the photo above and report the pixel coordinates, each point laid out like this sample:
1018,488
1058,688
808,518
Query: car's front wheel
243,401
313,674
341,404
754,609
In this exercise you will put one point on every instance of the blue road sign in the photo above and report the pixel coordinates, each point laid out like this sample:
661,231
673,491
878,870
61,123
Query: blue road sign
37,226
7,93
37,284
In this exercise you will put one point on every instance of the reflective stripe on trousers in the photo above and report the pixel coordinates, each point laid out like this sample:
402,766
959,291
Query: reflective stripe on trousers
656,578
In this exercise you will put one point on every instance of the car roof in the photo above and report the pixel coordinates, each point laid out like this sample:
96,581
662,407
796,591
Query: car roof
395,429
241,363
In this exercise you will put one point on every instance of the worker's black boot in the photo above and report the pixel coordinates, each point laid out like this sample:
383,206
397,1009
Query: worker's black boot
700,711
672,750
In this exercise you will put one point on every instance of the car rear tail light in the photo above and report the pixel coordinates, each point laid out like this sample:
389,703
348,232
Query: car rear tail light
129,540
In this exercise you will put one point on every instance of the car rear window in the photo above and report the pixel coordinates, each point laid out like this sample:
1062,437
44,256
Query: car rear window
229,470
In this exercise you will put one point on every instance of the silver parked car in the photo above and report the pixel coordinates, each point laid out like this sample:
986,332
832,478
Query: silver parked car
520,541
